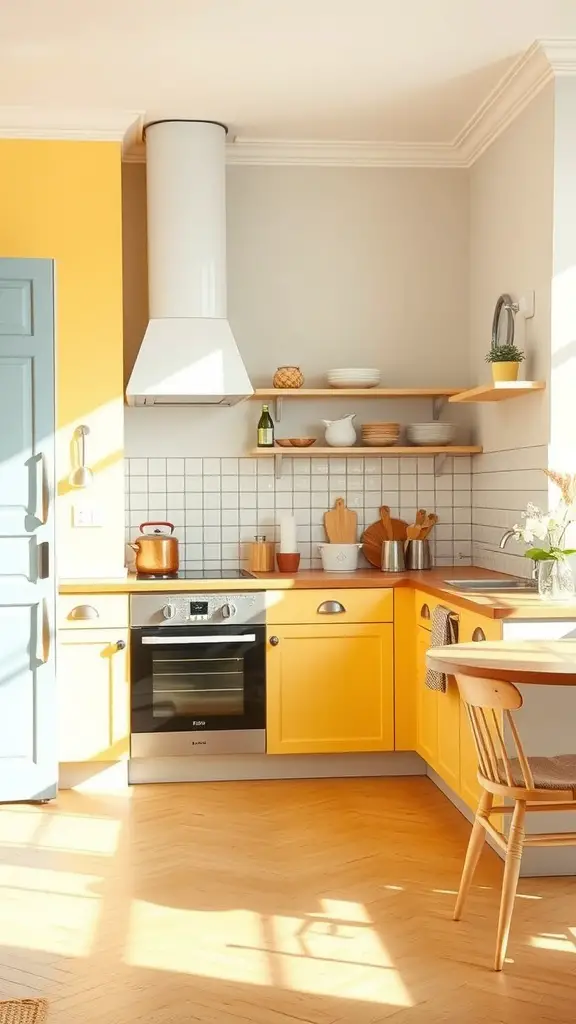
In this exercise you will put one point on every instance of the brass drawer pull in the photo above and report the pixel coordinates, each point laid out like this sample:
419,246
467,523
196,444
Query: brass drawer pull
330,608
424,612
84,611
478,634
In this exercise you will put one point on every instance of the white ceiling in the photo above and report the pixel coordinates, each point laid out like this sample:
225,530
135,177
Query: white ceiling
382,70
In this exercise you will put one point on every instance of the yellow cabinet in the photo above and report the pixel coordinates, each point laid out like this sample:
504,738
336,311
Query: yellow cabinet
93,694
448,757
472,627
330,688
427,703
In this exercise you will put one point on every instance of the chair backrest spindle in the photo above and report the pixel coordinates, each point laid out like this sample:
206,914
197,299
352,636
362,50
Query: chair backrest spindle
483,699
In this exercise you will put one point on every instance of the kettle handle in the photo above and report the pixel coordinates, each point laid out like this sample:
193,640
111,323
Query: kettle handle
157,522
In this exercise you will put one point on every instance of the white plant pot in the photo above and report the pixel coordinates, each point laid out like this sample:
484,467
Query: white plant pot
339,557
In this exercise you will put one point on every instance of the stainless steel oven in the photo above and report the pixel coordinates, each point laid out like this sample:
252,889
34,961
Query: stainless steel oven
197,674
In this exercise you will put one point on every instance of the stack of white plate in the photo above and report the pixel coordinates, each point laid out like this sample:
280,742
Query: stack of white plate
359,377
430,433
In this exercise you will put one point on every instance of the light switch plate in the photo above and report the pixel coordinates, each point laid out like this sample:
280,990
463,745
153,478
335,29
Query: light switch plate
85,514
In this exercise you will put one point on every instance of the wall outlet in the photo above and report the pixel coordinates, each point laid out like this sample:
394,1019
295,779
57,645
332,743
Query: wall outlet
84,514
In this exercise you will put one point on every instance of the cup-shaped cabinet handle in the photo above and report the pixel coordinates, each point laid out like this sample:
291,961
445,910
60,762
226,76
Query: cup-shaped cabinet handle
84,611
478,634
424,612
330,608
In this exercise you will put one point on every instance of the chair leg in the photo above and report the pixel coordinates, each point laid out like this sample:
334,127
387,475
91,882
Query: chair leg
510,882
475,844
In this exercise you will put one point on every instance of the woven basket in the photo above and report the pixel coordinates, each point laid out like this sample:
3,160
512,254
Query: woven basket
288,377
23,1011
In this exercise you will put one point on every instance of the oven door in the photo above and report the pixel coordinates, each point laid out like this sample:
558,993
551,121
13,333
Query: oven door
198,689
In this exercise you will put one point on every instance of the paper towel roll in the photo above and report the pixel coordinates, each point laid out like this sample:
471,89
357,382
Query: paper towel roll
288,535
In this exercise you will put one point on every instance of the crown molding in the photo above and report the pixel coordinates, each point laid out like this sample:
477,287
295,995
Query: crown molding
72,125
327,153
539,65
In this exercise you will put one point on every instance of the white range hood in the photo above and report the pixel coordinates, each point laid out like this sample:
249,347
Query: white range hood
188,355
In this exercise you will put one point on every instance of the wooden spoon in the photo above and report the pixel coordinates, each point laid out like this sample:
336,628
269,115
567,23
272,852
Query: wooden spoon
413,532
386,522
428,526
420,517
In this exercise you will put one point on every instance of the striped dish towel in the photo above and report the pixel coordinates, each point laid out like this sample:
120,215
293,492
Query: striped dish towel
444,631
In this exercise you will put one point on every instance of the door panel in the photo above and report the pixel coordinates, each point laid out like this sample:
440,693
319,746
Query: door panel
28,759
330,689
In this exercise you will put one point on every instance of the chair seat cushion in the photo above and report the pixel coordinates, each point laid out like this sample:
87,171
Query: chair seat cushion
548,772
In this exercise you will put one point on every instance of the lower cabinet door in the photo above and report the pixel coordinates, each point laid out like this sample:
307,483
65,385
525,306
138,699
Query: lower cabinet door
448,759
472,628
427,703
330,688
93,694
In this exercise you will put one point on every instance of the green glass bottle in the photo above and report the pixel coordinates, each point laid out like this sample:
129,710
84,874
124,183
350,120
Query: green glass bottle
265,429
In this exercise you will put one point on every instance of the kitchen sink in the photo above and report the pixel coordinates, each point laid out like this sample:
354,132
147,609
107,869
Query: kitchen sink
512,585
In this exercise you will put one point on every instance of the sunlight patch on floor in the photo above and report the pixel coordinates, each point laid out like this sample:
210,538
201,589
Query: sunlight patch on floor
53,911
558,943
80,834
219,944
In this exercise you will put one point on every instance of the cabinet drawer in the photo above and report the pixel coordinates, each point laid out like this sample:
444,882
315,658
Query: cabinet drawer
92,611
329,606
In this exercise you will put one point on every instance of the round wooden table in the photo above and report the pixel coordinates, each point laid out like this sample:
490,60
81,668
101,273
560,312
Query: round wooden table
552,662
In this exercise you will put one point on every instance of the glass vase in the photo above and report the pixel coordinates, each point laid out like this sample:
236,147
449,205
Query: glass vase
555,580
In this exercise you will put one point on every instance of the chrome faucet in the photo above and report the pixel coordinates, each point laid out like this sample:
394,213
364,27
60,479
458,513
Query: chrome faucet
503,542
506,537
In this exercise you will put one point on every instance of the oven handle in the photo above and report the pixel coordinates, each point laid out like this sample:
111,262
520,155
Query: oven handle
245,638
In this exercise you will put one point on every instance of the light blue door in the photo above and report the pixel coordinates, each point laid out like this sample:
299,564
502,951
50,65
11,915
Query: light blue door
28,754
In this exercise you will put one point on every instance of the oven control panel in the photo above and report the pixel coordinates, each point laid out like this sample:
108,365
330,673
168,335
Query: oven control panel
191,609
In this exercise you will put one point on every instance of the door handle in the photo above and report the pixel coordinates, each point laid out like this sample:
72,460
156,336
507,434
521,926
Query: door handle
120,645
274,640
42,633
43,555
39,503
330,608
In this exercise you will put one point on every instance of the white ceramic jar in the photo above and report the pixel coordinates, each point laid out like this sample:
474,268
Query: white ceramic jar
340,433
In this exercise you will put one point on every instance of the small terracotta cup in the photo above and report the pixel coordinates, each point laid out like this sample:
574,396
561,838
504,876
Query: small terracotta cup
288,562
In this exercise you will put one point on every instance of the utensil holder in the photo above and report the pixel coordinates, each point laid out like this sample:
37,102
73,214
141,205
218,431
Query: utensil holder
418,554
288,562
393,556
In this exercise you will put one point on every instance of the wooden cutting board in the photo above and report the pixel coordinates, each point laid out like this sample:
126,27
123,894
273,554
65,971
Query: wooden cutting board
341,524
375,534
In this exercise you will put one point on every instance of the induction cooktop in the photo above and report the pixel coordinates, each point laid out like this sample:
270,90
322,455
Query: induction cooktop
197,574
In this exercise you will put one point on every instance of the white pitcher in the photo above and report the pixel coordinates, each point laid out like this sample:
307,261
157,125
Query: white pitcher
340,433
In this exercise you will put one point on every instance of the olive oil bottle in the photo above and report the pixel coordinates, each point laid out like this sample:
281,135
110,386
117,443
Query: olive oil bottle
265,429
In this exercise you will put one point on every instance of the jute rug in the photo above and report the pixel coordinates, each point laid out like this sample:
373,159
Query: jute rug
23,1011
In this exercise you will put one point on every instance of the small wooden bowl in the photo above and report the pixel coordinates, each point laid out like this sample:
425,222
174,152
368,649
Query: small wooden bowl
302,442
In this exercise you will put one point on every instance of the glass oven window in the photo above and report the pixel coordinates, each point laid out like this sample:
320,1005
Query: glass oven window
196,686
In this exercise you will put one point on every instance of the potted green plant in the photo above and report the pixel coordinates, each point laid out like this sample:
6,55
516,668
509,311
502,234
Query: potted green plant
505,360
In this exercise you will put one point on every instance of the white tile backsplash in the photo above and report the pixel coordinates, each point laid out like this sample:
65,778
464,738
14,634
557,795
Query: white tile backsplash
218,505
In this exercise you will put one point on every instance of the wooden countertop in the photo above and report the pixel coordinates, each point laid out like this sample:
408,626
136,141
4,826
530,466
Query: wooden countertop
492,604
551,662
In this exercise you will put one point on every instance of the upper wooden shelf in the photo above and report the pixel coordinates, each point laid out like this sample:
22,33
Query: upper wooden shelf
360,452
261,393
499,391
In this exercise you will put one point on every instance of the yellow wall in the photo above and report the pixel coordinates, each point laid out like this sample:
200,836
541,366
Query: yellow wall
63,200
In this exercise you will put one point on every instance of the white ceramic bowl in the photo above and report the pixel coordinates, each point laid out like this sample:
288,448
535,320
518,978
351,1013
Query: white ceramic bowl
430,433
339,557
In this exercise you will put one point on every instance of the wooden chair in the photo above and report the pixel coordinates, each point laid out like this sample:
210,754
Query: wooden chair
532,783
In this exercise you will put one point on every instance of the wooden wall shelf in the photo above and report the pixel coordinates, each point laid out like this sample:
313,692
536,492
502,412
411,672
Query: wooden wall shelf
394,450
499,392
274,393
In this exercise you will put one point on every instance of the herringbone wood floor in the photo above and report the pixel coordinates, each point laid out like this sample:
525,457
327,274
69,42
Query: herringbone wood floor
275,903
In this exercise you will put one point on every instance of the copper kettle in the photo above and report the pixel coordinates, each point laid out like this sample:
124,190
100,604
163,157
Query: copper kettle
156,550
